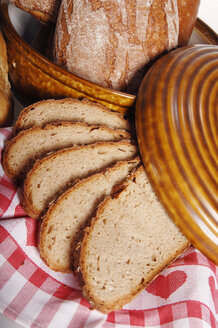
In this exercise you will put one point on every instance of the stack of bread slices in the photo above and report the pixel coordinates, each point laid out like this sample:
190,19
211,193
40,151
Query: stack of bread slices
82,175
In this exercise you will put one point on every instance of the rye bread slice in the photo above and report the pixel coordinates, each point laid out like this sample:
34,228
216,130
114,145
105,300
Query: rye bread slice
69,214
31,144
53,174
68,109
129,242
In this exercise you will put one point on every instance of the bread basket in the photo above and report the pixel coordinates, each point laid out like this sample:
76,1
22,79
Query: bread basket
35,77
171,174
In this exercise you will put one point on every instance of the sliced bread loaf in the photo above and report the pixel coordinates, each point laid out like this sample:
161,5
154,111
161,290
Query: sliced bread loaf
66,217
68,109
29,145
129,242
54,173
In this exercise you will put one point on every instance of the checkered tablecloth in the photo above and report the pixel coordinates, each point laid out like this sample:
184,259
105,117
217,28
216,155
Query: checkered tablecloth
184,295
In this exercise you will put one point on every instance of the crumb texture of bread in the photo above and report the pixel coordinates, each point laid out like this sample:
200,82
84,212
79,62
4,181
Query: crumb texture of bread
129,242
66,217
29,145
52,175
73,110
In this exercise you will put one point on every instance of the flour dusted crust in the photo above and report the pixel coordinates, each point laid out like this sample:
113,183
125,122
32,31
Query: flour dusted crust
110,42
44,10
6,100
128,243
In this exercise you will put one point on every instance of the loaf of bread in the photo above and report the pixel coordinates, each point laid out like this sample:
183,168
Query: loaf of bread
51,175
188,11
44,10
110,42
129,242
66,217
6,99
31,144
72,110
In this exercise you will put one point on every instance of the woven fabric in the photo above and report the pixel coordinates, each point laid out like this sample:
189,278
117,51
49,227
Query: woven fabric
183,295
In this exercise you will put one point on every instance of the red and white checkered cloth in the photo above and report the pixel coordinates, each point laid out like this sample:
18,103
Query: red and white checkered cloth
184,295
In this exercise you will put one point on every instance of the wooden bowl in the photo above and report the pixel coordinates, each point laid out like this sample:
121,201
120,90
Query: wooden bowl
35,77
176,123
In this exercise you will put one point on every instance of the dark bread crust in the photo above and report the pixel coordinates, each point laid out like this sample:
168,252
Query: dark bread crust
45,11
188,12
81,253
110,44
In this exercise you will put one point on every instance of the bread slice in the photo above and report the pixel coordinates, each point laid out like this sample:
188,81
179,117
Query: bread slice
68,109
66,217
129,242
29,145
54,173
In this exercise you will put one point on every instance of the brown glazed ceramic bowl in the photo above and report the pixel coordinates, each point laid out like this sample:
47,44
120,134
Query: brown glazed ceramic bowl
176,123
35,77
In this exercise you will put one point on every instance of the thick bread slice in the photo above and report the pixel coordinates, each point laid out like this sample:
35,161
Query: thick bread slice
29,145
66,217
68,109
129,242
54,173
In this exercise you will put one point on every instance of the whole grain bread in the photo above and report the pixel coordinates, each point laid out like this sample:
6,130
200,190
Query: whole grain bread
129,242
6,99
31,144
53,174
72,110
67,216
110,42
44,10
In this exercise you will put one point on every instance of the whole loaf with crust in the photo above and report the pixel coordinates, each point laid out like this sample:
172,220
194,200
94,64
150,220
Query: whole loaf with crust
44,10
6,99
110,42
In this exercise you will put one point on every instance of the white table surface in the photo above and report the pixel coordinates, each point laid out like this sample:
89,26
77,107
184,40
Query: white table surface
208,12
